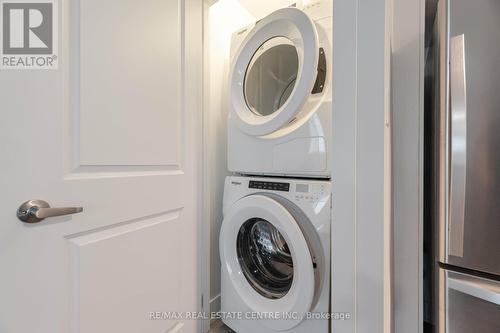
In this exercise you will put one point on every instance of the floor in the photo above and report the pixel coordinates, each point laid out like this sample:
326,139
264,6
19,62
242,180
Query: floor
219,327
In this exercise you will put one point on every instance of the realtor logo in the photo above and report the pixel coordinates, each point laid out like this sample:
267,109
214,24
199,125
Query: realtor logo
29,39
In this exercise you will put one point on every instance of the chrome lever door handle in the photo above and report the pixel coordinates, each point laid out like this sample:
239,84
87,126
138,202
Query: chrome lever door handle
34,211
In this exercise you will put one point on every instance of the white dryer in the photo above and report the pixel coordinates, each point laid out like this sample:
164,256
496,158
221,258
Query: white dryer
275,254
280,98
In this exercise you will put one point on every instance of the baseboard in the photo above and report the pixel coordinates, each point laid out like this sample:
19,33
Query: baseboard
215,304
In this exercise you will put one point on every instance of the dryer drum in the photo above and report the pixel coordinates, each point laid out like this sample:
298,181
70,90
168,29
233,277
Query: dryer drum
265,258
271,75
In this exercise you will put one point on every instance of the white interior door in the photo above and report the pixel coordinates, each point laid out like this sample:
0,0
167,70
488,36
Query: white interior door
115,130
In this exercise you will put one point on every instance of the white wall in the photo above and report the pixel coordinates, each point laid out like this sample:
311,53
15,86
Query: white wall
361,240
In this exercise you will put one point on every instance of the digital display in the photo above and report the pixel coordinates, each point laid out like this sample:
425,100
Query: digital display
273,186
302,188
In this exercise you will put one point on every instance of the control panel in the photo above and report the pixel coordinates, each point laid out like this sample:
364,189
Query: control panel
272,186
299,191
309,192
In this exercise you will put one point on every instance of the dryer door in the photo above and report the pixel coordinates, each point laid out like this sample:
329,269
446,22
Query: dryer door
274,72
267,258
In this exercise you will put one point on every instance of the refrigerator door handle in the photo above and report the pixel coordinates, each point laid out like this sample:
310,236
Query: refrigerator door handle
458,163
487,291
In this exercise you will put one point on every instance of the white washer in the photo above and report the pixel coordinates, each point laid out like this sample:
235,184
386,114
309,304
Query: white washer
275,254
280,99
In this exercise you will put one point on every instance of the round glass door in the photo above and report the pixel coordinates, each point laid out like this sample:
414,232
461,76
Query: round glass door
271,76
273,72
265,258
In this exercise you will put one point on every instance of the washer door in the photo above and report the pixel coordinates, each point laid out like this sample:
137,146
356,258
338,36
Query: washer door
274,71
266,256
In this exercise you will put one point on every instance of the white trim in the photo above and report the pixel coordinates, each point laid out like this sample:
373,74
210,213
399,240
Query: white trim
344,165
388,202
408,39
203,236
215,304
206,193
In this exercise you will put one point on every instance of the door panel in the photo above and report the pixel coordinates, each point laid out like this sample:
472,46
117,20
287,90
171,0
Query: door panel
111,261
115,130
473,305
479,22
123,81
469,314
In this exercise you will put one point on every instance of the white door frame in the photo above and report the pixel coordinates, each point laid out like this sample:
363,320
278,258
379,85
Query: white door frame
361,166
408,43
205,184
195,86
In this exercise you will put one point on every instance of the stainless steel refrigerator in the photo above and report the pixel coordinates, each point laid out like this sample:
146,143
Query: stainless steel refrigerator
467,166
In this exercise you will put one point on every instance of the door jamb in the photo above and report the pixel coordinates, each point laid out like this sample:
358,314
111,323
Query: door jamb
205,193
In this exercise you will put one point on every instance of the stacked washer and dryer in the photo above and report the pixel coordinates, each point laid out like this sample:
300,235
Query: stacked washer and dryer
275,237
